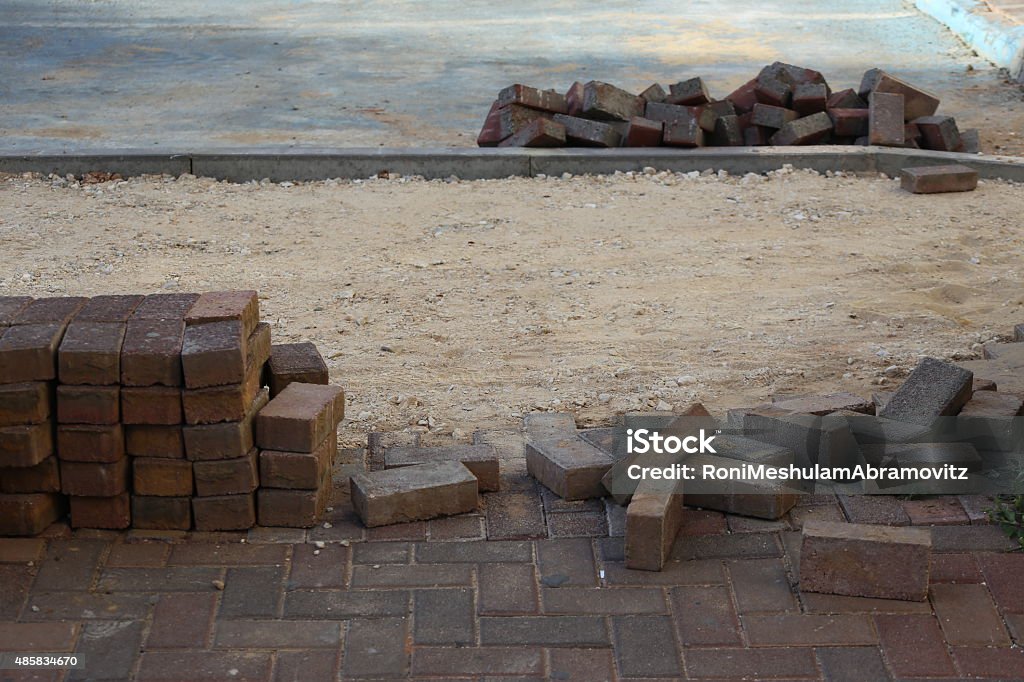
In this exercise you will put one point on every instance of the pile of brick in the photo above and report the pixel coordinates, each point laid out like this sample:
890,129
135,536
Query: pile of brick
784,105
155,400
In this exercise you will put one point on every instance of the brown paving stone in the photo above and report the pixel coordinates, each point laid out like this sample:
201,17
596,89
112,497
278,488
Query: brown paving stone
69,565
1003,573
345,605
544,630
393,575
300,666
799,629
700,572
761,585
990,662
569,561
514,515
198,554
876,509
21,550
584,665
43,637
179,666
458,661
109,650
955,568
704,616
913,645
968,616
381,553
936,511
645,646
376,648
182,621
252,592
602,601
835,603
852,664
276,634
443,616
738,546
506,589
323,568
474,552
760,664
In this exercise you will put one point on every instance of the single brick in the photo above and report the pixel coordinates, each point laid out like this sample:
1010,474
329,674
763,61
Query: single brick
158,477
58,310
300,418
539,133
221,403
566,464
297,470
937,179
413,493
761,498
225,512
934,389
810,98
90,442
11,307
226,440
690,92
94,479
917,102
113,513
653,93
939,132
605,102
846,99
161,513
503,122
227,476
850,122
823,404
728,132
29,514
544,100
99,405
24,403
744,97
25,446
165,307
41,478
223,306
113,308
29,352
151,405
865,561
769,116
213,354
154,441
481,460
885,119
151,353
653,519
90,353
809,130
643,132
291,362
583,132
292,508
683,133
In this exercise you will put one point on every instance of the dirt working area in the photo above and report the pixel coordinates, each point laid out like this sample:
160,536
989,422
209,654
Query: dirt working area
452,306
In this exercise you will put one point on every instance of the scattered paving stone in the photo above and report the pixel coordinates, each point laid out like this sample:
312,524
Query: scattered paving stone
413,493
932,390
481,460
885,119
938,179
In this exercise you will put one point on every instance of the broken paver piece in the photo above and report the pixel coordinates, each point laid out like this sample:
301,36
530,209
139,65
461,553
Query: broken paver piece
939,179
413,493
859,560
934,389
481,460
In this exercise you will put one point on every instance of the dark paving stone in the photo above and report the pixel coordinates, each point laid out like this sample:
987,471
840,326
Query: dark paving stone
376,648
645,646
252,591
443,616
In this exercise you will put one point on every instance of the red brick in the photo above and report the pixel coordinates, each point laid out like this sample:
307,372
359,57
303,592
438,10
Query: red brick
154,441
58,310
112,513
29,514
151,405
605,102
937,179
161,513
918,102
653,519
226,440
744,97
865,561
756,136
292,508
222,306
290,362
213,354
808,130
297,470
300,418
161,477
227,476
151,353
538,133
99,405
967,615
25,446
545,100
165,306
41,478
582,132
810,98
413,493
885,119
768,116
10,307
643,132
503,122
955,568
221,403
225,512
29,352
849,122
90,443
914,646
111,308
94,479
90,353
24,403
790,73
38,637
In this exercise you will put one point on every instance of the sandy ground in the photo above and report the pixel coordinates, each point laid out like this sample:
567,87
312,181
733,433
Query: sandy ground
461,305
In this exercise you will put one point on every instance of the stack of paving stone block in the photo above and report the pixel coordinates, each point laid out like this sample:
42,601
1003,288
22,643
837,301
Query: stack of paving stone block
297,436
783,105
30,333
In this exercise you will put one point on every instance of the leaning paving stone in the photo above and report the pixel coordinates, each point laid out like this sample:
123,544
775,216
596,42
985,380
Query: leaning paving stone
653,93
810,98
503,122
823,404
825,440
728,132
850,122
773,91
24,403
769,116
582,132
690,92
653,519
413,493
808,130
939,132
538,133
224,306
544,100
291,362
605,102
865,561
683,133
885,120
481,460
300,418
29,352
643,132
934,389
846,99
939,179
29,514
918,102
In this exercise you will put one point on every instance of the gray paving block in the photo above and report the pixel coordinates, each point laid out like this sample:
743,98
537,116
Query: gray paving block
934,389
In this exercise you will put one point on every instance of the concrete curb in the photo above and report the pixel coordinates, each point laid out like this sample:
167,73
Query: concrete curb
476,164
991,35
